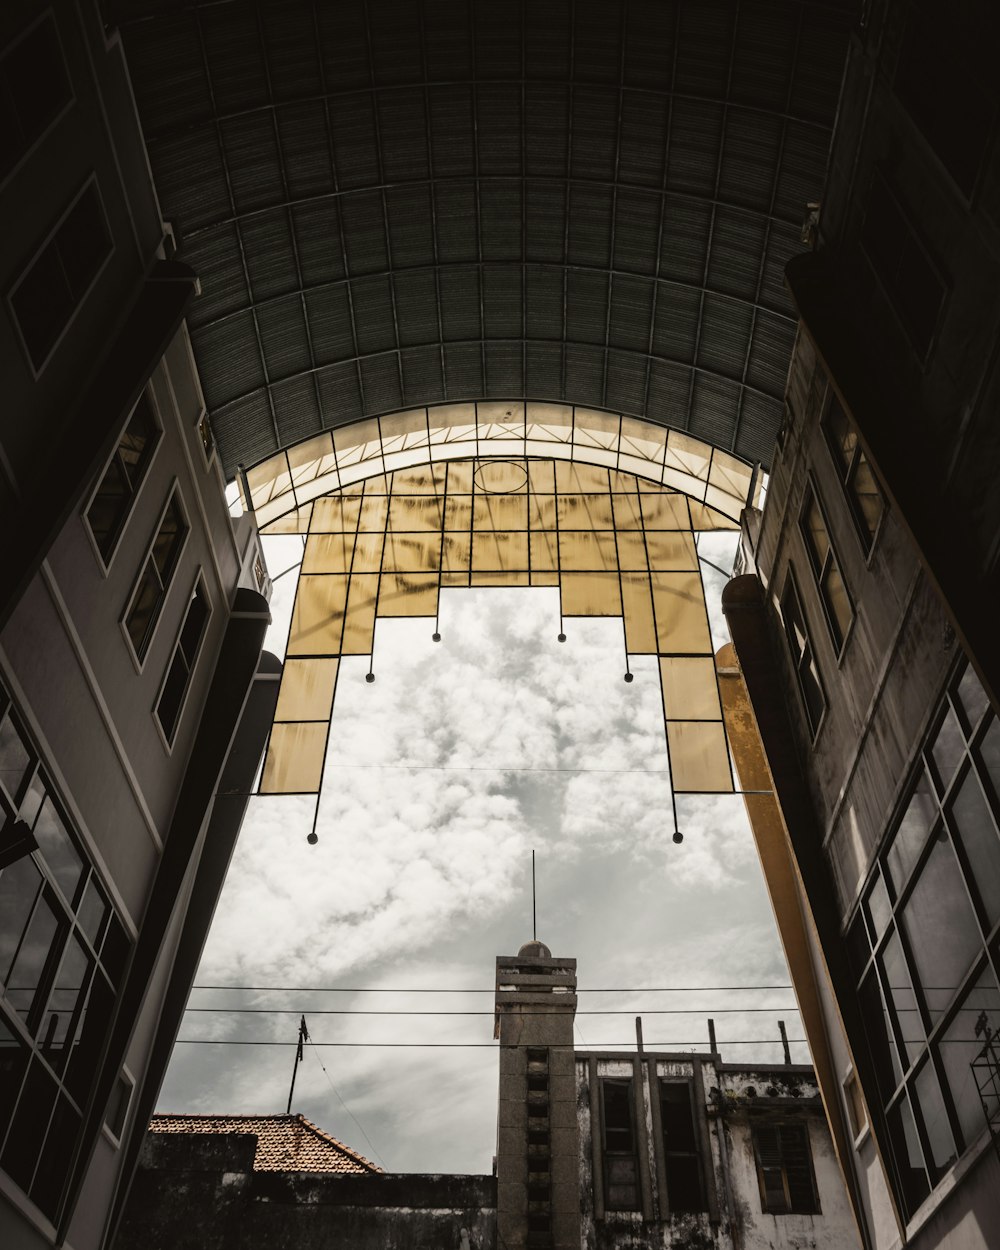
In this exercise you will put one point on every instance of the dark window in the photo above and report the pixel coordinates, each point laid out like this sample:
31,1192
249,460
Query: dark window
34,89
119,486
154,580
902,264
62,951
948,86
784,1169
118,1106
206,436
802,654
682,1158
48,294
171,700
862,490
621,1177
923,945
826,568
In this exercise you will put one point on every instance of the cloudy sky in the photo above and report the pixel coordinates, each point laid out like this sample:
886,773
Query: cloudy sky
442,776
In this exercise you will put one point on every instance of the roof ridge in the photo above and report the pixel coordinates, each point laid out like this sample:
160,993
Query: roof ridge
360,1158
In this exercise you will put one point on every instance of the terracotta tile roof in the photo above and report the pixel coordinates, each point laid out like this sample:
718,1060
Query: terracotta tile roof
285,1143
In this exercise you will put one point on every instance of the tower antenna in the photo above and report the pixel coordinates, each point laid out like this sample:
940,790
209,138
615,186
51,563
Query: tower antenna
303,1037
534,920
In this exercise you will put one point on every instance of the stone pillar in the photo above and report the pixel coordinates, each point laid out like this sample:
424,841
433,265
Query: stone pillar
538,1168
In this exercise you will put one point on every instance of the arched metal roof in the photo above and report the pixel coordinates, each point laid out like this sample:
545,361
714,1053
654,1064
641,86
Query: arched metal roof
407,202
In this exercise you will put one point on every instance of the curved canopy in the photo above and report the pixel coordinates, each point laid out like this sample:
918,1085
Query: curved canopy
409,202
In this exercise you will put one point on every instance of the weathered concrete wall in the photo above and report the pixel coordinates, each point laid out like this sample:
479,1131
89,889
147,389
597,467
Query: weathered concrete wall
200,1193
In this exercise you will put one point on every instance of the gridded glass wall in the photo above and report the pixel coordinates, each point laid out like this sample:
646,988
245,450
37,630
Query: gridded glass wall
613,543
925,944
62,957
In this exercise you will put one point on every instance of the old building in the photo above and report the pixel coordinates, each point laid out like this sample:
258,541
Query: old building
605,1150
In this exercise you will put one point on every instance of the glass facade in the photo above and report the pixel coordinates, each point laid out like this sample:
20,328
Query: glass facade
613,544
63,953
924,943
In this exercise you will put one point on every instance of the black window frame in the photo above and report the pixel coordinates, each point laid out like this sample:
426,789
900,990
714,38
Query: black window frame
825,566
28,137
133,476
613,1153
54,1041
183,661
674,1152
787,1133
803,657
914,1100
54,253
848,467
161,580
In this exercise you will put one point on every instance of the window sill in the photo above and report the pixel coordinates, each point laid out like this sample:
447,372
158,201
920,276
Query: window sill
948,1184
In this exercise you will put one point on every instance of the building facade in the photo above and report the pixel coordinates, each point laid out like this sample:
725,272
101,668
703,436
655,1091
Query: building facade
604,1150
130,634
863,631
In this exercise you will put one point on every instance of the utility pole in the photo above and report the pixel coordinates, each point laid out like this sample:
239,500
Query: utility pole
303,1038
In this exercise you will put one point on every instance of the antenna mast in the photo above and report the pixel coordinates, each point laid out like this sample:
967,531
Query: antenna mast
534,921
303,1037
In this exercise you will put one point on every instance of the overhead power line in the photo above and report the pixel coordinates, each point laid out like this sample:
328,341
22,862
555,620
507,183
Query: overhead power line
618,1011
753,1041
381,989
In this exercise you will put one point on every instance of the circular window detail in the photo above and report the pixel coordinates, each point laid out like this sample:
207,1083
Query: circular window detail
501,477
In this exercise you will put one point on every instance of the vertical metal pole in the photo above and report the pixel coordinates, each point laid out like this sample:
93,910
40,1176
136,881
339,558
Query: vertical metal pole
534,920
303,1034
784,1042
638,1034
711,1037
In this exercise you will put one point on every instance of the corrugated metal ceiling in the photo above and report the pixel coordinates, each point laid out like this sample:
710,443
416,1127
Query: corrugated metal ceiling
400,202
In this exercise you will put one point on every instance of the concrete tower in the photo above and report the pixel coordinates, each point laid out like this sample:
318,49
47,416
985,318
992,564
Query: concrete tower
537,1135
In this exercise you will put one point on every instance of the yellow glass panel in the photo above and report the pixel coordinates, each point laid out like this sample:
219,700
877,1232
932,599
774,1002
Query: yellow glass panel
458,513
269,480
499,551
321,485
335,514
730,475
512,577
631,550
312,458
542,512
500,512
306,691
596,429
727,504
689,685
627,511
362,440
688,454
649,470
591,594
683,482
637,605
573,478
500,419
414,512
698,757
586,512
703,518
294,763
359,620
623,483
542,477
379,483
664,510
368,552
542,577
410,427
502,477
671,549
681,622
455,579
318,615
452,423
427,479
411,553
328,553
408,594
457,552
374,510
294,522
549,422
544,551
460,476
582,551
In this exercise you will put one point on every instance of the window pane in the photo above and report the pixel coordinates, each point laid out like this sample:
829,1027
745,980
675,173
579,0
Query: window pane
89,1038
147,600
866,497
57,1153
948,748
29,1125
168,541
880,1038
107,511
14,758
814,529
907,1156
838,604
940,927
137,441
92,912
912,832
115,950
879,907
972,822
43,304
899,989
194,624
64,999
960,1045
678,1122
989,753
169,705
83,242
61,856
618,1116
37,953
972,697
13,1062
843,439
684,1188
19,885
940,1141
